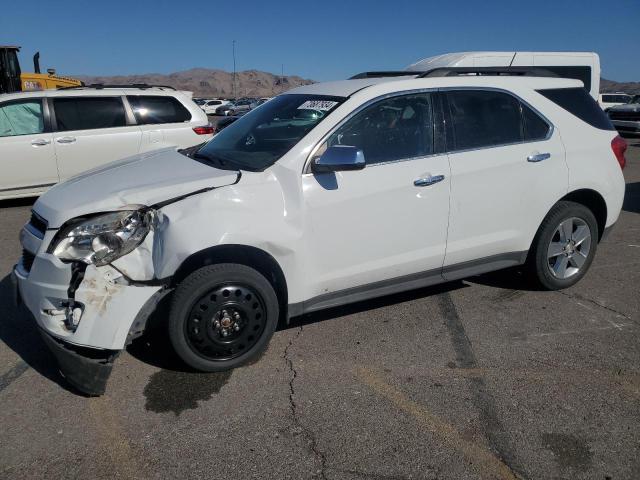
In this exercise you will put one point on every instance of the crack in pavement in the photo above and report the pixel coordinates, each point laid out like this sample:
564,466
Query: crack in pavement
577,296
372,476
481,397
308,434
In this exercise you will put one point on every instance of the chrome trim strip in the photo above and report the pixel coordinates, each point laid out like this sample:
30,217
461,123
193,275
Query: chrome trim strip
28,187
407,282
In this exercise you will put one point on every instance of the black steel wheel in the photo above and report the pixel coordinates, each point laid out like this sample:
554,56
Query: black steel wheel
222,316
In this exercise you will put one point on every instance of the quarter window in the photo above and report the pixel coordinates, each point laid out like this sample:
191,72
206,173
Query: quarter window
158,109
393,129
579,103
535,128
89,113
21,118
483,119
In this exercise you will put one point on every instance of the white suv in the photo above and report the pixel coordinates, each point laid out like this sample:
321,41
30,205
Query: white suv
210,106
328,194
52,135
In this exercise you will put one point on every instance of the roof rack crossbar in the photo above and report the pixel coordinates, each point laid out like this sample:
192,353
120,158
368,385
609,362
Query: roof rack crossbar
99,86
381,74
514,71
455,71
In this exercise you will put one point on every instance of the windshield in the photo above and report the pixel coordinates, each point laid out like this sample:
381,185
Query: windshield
258,139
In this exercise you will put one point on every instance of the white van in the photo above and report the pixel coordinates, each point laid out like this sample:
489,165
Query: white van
583,66
52,135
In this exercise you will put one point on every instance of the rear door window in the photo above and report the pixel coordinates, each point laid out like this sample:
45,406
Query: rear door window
21,118
483,119
393,129
157,109
89,113
579,103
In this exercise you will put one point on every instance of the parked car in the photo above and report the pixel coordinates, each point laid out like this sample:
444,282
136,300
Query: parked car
240,107
210,107
224,109
51,135
259,102
626,118
608,100
332,193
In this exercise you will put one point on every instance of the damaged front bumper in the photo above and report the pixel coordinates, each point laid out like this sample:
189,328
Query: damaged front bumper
85,321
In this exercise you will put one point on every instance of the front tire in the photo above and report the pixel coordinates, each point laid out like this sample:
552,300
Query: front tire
564,246
222,316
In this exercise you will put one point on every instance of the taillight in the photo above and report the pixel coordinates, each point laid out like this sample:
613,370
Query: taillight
206,130
619,146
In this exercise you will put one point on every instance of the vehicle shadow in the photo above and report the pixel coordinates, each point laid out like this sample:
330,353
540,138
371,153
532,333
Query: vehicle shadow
19,332
632,198
18,202
514,278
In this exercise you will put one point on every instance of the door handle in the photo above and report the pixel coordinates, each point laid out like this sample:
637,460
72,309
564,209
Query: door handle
538,157
66,140
40,142
426,181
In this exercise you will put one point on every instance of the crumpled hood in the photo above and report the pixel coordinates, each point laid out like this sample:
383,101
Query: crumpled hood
144,179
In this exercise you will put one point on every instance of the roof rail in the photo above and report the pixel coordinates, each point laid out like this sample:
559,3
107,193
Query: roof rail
455,71
381,74
515,71
99,86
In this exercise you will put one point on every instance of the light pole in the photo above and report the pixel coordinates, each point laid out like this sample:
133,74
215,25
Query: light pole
234,70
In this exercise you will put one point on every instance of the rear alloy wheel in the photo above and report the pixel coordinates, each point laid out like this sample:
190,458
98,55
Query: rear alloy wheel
222,316
565,245
569,248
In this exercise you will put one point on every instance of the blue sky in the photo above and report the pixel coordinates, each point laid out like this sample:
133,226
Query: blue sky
322,40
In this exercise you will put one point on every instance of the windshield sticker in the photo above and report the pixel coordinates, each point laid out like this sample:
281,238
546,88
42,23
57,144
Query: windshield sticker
322,105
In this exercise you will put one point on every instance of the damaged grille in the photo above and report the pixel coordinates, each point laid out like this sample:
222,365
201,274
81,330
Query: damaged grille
27,259
37,225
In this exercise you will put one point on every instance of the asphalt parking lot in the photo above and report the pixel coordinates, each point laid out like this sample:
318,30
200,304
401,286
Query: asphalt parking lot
483,378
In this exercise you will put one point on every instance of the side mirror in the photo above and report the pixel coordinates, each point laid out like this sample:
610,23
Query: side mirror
339,158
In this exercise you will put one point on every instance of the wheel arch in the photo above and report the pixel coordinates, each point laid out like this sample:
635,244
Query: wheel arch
252,257
594,202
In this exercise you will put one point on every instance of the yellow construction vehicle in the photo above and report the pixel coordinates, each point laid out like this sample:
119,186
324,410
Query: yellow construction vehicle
13,80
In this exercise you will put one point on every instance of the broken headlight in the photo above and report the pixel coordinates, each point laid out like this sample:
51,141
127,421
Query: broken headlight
102,239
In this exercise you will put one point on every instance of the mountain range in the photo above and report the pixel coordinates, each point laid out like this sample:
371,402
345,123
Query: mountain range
611,86
204,82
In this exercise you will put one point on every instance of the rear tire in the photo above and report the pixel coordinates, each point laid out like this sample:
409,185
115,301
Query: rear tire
222,316
564,246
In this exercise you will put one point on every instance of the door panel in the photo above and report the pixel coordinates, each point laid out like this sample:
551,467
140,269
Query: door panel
500,194
375,224
27,155
388,220
78,151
